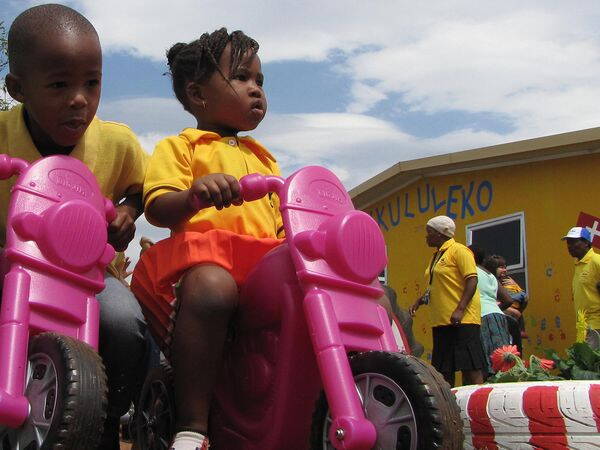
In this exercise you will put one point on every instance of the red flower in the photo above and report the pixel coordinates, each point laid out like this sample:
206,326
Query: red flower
504,358
546,364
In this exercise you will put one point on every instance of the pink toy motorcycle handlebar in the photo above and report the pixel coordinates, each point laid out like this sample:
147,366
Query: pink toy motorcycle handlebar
11,166
253,186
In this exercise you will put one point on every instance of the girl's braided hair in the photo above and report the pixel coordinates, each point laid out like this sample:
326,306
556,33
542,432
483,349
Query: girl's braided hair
199,59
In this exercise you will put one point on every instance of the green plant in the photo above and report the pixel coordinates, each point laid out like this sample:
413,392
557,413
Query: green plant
582,362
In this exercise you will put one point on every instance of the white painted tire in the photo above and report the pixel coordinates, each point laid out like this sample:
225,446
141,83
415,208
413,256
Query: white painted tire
553,414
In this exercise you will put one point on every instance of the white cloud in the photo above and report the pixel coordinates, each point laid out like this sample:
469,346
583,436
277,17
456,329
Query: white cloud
149,140
516,65
365,97
358,144
534,63
161,116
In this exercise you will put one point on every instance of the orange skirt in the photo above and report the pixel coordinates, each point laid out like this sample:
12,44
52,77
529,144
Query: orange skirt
162,266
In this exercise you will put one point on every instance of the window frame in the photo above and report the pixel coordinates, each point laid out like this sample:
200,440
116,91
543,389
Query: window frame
383,279
520,216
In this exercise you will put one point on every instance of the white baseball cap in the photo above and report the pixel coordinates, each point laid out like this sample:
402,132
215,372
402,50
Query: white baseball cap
578,233
443,225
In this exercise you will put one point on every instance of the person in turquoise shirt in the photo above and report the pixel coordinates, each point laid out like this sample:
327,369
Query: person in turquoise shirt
494,325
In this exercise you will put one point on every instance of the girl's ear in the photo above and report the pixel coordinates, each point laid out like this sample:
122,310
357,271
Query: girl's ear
14,87
194,94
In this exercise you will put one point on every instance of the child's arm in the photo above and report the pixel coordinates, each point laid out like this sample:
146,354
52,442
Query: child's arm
217,189
122,230
503,297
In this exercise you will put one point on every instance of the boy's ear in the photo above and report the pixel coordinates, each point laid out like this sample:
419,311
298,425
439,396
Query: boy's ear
194,93
14,87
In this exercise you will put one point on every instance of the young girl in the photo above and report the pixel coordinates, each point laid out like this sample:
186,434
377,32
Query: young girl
191,279
516,321
494,325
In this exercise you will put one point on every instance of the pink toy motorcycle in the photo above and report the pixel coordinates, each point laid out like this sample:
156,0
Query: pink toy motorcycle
52,381
309,321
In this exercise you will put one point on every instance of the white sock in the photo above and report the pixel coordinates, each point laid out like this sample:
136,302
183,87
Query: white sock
188,440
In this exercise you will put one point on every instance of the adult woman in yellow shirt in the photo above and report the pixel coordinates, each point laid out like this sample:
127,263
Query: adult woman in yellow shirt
455,308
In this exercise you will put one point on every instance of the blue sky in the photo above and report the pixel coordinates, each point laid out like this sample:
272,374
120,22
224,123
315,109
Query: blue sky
359,86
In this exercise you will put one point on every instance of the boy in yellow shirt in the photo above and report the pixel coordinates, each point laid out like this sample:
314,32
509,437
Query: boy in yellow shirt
55,65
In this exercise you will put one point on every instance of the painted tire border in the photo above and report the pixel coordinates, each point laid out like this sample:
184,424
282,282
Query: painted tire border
553,414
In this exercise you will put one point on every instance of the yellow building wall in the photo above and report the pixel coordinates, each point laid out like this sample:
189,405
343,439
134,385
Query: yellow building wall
550,193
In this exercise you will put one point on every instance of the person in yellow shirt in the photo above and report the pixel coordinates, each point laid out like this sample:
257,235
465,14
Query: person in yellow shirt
586,280
191,181
55,72
455,309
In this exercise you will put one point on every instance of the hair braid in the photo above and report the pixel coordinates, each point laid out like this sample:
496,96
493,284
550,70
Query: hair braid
198,60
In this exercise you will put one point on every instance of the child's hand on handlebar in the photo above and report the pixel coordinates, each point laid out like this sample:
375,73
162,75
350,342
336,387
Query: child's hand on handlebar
217,189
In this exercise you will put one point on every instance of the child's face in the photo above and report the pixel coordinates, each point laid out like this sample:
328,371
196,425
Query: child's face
60,89
238,106
501,271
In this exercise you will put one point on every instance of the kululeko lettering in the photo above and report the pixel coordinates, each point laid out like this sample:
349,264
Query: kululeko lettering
457,201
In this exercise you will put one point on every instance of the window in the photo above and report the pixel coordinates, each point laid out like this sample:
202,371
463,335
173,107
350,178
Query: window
383,275
503,236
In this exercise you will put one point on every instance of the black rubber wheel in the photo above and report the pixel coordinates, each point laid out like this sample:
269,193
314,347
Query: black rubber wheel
66,389
155,411
407,400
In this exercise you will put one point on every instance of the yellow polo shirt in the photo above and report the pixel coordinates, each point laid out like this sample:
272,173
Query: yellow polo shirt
110,150
449,275
179,160
585,294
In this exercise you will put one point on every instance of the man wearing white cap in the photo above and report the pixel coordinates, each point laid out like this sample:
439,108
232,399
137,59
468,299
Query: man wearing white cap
586,280
455,308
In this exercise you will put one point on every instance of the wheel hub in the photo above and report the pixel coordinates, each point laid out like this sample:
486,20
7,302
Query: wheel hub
387,406
42,385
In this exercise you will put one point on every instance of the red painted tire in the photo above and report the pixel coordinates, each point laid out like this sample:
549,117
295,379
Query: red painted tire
552,415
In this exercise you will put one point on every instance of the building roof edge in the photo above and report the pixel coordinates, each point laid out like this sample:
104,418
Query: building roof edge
537,149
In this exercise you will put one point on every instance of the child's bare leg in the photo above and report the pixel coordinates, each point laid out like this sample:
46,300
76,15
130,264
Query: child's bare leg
208,296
